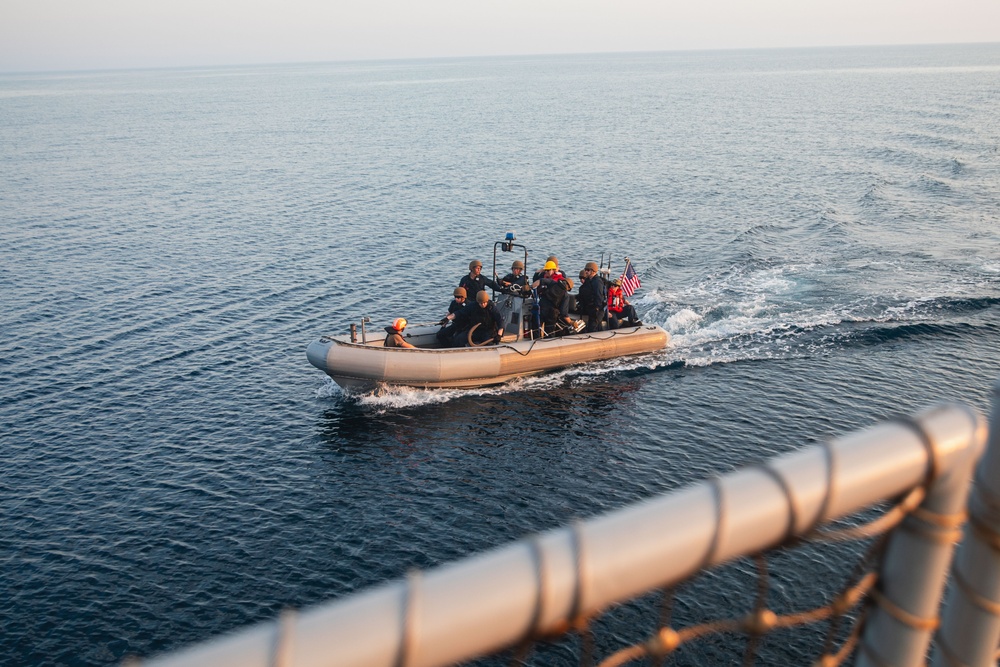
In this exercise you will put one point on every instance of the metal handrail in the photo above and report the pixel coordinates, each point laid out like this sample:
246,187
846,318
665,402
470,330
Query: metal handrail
541,585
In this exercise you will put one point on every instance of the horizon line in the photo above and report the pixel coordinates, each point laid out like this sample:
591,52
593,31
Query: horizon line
279,63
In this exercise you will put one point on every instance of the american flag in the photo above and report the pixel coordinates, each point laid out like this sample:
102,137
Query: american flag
630,280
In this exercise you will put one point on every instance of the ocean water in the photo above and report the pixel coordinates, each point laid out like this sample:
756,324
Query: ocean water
819,231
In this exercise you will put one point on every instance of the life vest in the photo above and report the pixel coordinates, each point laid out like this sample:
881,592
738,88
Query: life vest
554,293
390,339
616,299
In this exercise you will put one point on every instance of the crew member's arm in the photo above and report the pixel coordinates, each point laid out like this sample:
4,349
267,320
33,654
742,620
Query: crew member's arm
498,320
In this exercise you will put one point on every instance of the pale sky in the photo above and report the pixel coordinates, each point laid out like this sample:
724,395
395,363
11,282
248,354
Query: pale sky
110,34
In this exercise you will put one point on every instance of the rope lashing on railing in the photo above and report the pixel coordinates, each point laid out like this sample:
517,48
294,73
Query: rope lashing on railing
901,615
794,511
933,464
557,582
761,620
882,524
988,606
942,528
578,620
757,623
408,620
283,653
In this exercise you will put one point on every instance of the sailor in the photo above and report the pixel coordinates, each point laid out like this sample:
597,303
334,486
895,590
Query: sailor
593,299
553,299
516,280
445,333
457,303
481,323
475,282
619,308
556,276
394,334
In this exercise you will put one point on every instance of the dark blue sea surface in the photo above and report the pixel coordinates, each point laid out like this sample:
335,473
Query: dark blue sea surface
818,230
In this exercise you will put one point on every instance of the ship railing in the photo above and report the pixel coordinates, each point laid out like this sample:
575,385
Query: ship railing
557,582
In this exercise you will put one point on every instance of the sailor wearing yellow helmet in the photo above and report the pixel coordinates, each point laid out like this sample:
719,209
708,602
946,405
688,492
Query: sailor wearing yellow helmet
548,271
540,272
553,299
394,334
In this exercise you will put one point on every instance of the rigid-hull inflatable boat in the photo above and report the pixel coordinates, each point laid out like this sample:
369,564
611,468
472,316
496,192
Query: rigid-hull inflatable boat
365,365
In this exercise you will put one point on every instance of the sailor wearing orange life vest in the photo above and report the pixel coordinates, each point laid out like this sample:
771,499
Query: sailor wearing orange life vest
619,307
394,334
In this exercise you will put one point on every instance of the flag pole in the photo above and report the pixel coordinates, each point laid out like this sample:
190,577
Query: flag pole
607,283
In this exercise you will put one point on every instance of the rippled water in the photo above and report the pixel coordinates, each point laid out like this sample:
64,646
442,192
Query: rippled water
817,229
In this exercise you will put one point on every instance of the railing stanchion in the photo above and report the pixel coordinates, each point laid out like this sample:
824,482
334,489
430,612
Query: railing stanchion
917,556
970,629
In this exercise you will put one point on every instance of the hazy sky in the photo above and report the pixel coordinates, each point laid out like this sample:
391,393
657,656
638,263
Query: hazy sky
99,34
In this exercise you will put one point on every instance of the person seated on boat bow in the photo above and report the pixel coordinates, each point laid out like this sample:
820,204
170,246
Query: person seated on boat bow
593,299
394,334
553,300
479,324
619,308
516,281
476,282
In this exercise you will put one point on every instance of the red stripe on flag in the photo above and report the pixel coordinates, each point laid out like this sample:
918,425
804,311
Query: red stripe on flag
630,280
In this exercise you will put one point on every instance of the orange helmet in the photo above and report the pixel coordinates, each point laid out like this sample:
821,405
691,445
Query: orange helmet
399,324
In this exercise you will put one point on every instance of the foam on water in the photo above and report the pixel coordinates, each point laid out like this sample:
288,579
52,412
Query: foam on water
759,325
